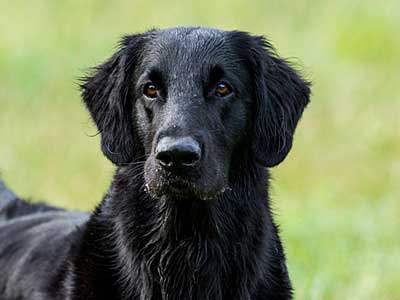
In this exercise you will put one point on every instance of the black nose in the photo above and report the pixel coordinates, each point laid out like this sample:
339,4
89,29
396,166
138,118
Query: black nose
178,152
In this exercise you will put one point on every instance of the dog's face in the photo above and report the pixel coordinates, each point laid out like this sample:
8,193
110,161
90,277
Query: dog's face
191,102
191,96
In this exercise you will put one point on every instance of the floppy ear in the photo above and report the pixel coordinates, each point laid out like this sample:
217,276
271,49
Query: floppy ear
281,96
108,95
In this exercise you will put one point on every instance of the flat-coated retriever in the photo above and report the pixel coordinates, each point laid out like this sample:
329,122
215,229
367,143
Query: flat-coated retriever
193,118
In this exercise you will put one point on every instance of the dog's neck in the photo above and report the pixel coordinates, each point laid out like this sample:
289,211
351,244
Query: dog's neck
187,249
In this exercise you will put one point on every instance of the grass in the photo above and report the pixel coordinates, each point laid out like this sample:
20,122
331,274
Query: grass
337,194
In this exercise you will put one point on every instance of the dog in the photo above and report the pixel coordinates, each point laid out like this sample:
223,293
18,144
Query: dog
192,118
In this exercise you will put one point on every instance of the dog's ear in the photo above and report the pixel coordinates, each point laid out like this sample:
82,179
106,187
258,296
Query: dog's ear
109,94
280,97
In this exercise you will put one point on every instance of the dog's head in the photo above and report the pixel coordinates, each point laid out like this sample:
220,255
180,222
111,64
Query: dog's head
191,102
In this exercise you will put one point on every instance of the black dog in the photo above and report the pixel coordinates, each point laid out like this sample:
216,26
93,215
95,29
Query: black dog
193,118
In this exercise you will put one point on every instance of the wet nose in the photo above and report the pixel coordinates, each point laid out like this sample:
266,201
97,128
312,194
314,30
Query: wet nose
178,152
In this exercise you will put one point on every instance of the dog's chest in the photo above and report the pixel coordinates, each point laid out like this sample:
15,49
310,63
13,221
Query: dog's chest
190,271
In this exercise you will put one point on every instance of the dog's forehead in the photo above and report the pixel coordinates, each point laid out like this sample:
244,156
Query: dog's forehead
189,35
187,45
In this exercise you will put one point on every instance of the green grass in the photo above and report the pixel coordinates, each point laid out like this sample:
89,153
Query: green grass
337,196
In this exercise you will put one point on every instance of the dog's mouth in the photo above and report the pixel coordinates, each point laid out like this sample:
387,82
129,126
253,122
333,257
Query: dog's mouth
191,184
181,189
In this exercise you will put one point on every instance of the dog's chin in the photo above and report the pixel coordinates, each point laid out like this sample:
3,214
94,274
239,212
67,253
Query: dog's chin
183,190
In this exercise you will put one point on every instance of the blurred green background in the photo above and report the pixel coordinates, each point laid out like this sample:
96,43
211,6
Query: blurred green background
337,194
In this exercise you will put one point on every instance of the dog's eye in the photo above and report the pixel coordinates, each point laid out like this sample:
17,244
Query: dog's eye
150,90
223,89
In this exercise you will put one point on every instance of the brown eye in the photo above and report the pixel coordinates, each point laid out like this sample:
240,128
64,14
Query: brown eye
223,89
150,90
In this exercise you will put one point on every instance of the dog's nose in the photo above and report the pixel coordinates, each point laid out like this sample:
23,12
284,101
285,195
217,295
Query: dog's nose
178,152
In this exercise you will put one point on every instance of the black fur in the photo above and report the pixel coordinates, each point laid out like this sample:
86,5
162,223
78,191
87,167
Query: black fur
204,232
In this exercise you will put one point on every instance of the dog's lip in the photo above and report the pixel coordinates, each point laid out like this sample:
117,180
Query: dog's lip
180,186
181,189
